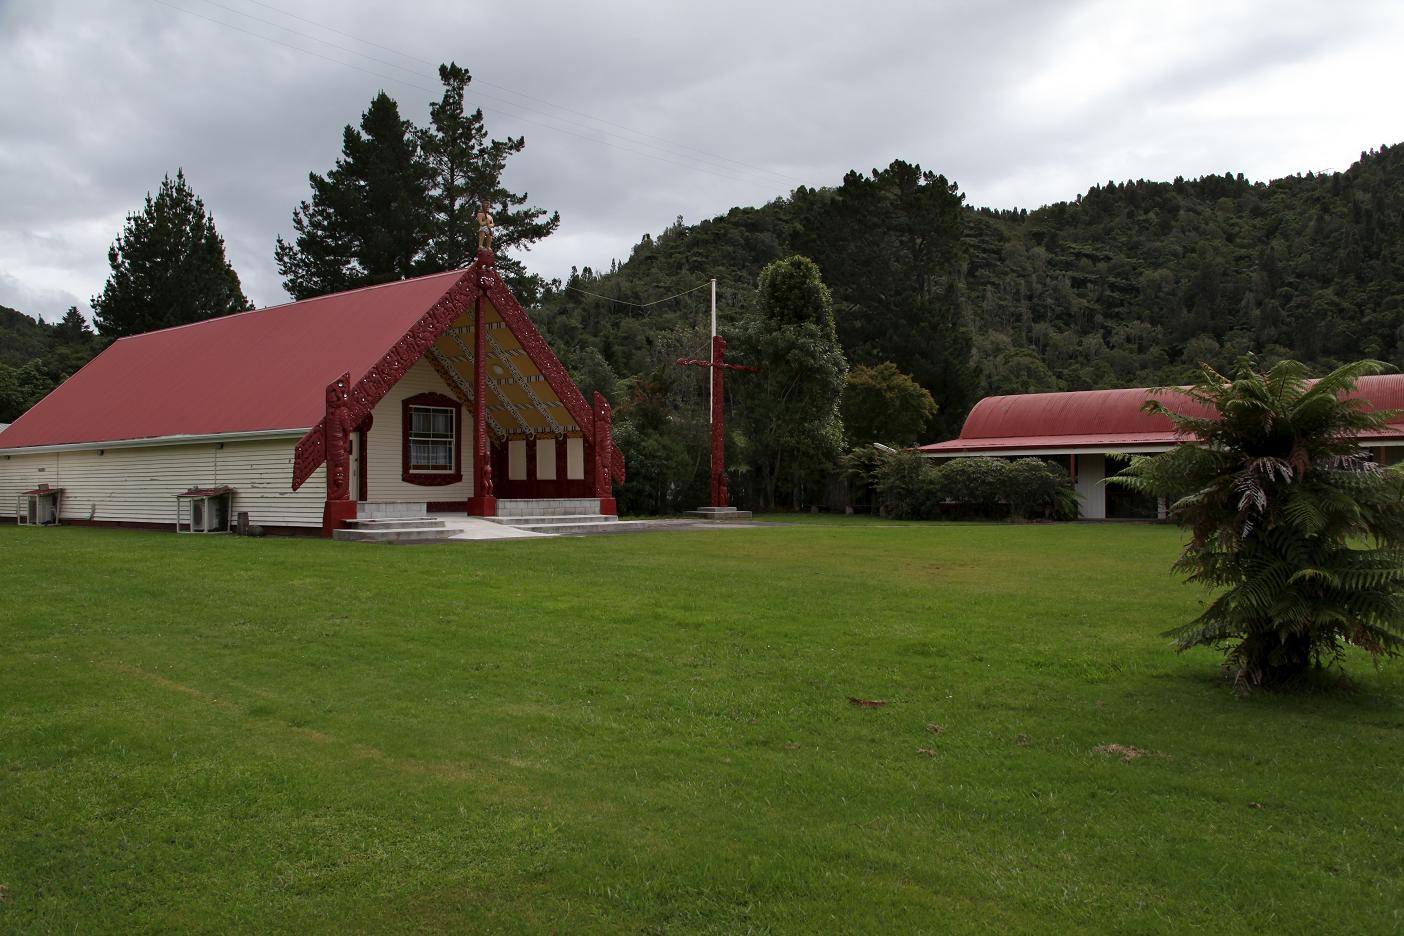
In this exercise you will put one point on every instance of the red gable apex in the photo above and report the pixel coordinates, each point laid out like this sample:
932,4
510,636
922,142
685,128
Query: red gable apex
480,280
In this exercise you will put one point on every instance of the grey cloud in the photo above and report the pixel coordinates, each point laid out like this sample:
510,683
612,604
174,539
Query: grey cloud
104,99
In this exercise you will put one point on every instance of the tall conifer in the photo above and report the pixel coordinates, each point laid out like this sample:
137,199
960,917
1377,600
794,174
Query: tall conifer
168,267
368,221
467,168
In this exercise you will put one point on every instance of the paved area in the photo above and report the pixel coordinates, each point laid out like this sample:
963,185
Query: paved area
461,527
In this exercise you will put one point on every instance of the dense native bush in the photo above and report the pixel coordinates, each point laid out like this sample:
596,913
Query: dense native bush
910,487
1288,516
905,487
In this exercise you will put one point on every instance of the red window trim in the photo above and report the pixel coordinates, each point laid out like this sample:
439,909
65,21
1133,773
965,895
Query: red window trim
437,478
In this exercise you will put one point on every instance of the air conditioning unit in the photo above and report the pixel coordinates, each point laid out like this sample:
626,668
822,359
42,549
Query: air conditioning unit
39,507
205,510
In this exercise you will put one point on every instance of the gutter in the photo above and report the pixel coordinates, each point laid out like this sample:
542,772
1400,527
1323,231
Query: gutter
156,440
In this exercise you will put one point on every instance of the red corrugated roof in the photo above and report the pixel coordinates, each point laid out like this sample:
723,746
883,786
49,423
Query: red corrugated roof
255,371
1107,419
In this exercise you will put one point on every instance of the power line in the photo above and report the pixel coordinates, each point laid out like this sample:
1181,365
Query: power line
288,45
639,305
515,109
638,133
472,93
416,58
333,29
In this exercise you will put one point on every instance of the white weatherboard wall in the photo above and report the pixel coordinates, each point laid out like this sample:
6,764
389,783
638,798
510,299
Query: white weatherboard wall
139,484
384,442
1091,469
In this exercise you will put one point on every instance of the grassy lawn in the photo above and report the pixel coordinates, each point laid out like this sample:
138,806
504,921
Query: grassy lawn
653,733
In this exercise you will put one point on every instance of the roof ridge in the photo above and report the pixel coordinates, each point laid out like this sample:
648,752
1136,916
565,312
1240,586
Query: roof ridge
293,302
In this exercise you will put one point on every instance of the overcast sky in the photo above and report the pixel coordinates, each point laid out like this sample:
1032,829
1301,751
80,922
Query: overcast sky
637,112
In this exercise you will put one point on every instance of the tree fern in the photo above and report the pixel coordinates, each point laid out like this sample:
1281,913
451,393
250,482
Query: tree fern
1289,518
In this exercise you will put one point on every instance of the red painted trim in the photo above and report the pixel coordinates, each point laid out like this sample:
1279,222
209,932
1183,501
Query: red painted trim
483,503
362,397
603,423
436,479
335,514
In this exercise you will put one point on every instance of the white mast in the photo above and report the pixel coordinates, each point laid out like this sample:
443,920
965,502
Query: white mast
712,371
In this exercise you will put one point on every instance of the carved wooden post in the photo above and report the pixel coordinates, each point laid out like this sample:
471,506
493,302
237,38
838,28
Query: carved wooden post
336,432
719,487
482,503
604,454
721,494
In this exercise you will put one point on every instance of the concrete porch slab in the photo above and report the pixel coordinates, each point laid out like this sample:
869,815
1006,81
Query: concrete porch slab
463,527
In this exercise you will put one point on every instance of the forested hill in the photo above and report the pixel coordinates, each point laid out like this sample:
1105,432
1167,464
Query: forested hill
35,357
1129,284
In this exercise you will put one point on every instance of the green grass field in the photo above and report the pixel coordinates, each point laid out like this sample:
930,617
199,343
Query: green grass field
653,733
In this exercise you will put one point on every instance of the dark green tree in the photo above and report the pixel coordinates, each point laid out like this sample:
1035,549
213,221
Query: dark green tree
662,447
1289,518
168,267
23,386
73,329
369,220
890,243
467,170
882,404
790,410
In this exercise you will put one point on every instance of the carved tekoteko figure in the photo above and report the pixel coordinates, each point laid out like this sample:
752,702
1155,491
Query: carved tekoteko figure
484,227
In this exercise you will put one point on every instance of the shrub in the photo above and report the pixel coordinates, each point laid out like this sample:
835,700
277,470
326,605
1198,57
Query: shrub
1037,488
906,487
978,483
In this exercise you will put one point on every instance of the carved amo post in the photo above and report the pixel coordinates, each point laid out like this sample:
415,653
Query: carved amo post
482,503
336,432
604,454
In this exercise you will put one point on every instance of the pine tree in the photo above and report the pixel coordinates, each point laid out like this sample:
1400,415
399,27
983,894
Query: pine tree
73,329
467,169
168,267
369,220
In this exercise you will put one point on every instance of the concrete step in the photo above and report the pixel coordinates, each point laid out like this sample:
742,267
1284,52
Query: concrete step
602,525
393,534
552,518
375,510
397,523
719,514
548,506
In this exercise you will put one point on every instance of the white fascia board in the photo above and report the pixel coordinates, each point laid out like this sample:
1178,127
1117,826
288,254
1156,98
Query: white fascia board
1093,450
159,440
